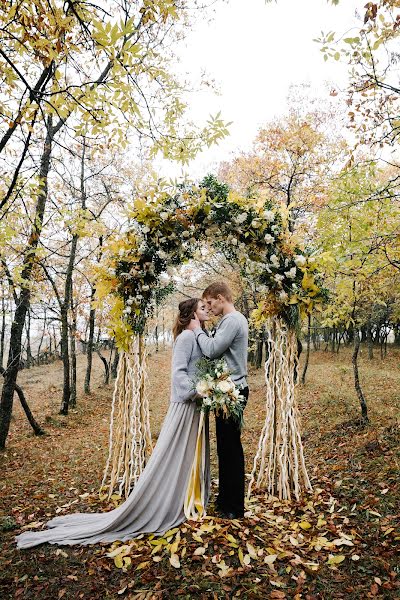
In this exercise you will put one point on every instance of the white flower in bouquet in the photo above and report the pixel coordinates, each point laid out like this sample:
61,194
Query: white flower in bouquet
219,392
226,385
202,387
236,392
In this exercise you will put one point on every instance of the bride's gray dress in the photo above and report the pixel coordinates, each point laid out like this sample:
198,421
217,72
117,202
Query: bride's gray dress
157,500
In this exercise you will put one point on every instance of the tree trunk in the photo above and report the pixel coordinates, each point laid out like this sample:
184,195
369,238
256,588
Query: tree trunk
114,366
35,426
64,327
3,325
29,357
259,349
106,367
65,358
163,329
41,338
22,306
89,345
73,353
333,339
303,375
369,343
360,395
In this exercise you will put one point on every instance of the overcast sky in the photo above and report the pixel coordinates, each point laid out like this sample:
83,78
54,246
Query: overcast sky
255,51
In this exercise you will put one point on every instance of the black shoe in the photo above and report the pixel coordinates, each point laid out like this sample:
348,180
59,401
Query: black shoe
231,515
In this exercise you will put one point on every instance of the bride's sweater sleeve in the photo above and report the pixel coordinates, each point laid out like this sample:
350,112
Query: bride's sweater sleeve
182,387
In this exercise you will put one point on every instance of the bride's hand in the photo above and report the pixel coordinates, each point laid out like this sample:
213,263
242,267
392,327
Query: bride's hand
194,323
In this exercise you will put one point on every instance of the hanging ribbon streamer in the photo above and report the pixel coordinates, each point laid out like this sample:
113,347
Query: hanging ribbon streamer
195,503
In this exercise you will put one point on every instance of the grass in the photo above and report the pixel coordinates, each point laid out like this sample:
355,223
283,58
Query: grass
354,471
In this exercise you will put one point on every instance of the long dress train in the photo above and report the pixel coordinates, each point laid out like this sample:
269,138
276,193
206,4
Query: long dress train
156,503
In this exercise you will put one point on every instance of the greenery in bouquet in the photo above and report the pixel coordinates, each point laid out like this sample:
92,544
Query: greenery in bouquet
218,391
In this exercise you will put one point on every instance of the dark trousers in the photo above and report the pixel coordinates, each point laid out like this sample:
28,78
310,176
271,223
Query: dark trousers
230,464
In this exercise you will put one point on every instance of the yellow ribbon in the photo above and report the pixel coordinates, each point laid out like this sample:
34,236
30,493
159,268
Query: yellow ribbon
194,504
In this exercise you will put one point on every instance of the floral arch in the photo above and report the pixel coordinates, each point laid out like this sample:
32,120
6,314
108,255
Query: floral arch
166,230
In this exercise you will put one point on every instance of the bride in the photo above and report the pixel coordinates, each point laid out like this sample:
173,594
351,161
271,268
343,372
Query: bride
156,503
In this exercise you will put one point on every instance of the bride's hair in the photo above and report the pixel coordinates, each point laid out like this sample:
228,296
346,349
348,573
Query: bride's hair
186,308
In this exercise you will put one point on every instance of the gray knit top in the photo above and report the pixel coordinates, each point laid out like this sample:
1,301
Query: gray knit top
186,353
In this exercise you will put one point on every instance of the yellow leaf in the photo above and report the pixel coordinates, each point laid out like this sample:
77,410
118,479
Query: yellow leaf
174,546
231,539
270,559
158,542
142,565
251,550
118,550
240,555
171,532
335,559
305,524
157,558
208,527
174,560
118,561
246,559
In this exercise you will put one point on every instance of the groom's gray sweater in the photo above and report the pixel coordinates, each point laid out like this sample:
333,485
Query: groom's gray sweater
230,341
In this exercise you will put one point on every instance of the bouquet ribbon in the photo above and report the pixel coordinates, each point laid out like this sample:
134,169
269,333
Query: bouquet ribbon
194,503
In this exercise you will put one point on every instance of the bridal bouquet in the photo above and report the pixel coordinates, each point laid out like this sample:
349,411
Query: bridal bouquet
219,392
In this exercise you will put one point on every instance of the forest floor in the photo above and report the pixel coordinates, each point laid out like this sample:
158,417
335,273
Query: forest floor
339,542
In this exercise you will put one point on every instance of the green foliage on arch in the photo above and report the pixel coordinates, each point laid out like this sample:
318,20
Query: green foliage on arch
168,229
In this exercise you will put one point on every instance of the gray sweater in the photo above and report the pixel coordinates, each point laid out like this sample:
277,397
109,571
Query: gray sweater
185,355
230,341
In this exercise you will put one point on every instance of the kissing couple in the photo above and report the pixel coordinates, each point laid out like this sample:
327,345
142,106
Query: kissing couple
156,503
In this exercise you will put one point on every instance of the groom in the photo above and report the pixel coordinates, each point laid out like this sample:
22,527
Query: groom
230,341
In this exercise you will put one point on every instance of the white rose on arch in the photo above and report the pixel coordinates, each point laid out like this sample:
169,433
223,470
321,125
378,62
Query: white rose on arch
269,215
274,261
269,239
291,274
241,218
300,260
283,296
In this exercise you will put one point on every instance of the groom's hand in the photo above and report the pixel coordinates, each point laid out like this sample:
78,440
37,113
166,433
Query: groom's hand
194,323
